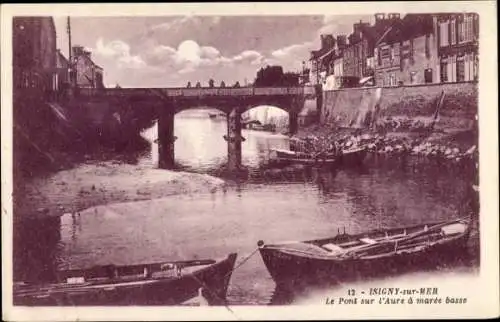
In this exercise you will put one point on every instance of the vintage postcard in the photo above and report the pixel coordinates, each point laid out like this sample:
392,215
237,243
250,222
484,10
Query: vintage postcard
249,161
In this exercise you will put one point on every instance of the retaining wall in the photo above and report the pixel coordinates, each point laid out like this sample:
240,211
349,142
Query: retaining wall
356,107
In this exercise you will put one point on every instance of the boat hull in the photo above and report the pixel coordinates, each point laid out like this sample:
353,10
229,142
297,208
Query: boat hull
353,157
295,272
214,279
284,157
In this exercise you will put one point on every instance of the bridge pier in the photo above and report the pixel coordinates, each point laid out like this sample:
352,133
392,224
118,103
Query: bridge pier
234,139
166,139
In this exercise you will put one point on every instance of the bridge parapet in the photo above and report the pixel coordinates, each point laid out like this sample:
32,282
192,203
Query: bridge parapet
200,92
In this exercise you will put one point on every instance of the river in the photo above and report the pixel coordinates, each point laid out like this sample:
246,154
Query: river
382,193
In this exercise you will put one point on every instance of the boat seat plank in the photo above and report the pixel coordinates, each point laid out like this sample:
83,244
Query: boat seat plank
367,240
333,248
457,228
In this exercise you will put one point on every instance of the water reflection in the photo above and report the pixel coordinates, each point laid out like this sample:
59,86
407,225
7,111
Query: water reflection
200,145
36,248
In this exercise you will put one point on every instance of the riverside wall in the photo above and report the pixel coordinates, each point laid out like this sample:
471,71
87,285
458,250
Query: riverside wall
356,107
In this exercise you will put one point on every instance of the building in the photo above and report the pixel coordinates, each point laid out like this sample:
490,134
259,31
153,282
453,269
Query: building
34,54
321,60
407,53
62,72
358,57
86,73
457,38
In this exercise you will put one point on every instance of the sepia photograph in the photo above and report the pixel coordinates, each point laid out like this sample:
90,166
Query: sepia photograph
247,158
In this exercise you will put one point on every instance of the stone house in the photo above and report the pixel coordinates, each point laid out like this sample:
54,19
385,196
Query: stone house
407,53
34,53
358,58
86,73
457,38
321,60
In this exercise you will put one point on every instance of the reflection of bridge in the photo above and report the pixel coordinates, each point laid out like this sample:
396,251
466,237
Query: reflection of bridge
232,101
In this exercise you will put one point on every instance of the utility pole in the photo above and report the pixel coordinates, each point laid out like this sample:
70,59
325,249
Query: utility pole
70,58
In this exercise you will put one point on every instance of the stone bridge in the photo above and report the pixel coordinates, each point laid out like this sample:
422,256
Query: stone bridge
232,101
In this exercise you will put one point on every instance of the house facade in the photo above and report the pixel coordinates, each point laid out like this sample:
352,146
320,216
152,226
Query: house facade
321,60
457,38
407,54
34,53
86,73
359,56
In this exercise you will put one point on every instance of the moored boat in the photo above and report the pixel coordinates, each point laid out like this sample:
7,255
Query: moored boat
165,283
283,156
295,265
353,156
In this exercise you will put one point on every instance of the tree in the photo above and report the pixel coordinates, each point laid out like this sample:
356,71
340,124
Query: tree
274,76
222,84
236,85
188,85
211,83
198,85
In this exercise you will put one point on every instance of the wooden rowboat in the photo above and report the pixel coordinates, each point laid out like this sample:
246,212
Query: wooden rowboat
294,265
166,283
283,156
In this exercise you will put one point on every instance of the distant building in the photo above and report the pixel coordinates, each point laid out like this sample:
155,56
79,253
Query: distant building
87,74
458,37
34,53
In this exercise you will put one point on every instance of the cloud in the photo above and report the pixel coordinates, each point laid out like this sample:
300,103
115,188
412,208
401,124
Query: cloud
291,57
190,56
176,23
120,52
341,24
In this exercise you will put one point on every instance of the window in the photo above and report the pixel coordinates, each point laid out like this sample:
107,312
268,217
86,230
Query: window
392,79
443,34
466,29
444,71
461,31
427,46
460,69
453,32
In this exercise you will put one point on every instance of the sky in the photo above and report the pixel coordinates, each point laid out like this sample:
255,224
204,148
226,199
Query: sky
170,51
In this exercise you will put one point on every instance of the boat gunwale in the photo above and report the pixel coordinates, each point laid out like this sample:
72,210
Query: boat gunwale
335,257
26,290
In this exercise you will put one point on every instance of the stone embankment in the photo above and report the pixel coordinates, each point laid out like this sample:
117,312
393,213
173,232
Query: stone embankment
454,148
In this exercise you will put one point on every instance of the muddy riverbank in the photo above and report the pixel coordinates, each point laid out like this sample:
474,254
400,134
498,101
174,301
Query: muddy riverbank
94,184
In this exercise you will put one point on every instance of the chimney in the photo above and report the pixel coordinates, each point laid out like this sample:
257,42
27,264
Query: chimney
393,16
77,50
323,41
329,41
341,41
379,17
